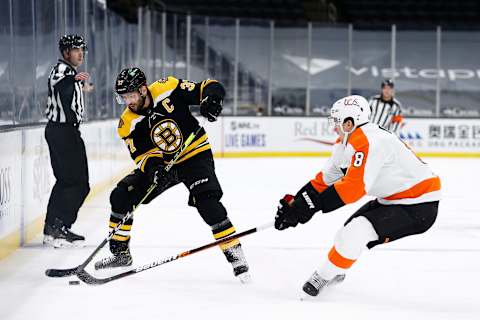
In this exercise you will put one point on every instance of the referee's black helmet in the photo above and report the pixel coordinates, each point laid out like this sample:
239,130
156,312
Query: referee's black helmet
71,41
388,82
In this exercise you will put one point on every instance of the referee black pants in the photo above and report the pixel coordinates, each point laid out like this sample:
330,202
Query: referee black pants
70,167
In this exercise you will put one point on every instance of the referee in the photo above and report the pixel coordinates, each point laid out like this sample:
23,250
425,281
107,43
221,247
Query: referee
386,110
64,112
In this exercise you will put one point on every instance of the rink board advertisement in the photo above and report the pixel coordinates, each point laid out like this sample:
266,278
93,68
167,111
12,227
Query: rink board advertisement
298,136
250,136
10,185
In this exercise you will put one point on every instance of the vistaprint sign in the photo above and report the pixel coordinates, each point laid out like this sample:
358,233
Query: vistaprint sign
319,65
416,73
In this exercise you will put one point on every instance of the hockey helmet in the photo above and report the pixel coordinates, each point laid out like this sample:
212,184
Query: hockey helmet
130,80
388,82
71,41
353,107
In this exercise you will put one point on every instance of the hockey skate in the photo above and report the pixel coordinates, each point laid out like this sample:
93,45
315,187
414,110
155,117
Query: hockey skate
316,283
236,257
121,259
59,236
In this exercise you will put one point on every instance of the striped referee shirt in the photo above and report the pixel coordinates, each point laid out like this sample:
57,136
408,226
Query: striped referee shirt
65,95
387,114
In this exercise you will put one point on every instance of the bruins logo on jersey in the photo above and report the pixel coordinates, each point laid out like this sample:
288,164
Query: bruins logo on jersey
167,136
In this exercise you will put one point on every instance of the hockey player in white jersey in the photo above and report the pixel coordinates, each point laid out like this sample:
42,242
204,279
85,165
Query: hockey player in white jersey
378,164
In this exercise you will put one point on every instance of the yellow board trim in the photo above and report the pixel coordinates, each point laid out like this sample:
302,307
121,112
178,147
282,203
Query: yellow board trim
260,154
224,233
268,154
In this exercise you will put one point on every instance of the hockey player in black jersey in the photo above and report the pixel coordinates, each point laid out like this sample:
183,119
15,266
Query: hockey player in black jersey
154,125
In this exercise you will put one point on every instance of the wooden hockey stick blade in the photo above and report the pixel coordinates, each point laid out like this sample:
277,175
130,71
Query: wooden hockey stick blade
91,280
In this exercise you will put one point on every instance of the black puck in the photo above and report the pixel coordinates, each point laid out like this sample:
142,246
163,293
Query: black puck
74,282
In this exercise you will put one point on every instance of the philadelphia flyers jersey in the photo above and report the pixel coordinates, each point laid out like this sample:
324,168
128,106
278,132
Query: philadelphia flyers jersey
380,165
158,131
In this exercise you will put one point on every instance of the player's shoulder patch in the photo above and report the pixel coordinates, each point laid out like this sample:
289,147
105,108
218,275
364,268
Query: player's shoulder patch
127,122
162,88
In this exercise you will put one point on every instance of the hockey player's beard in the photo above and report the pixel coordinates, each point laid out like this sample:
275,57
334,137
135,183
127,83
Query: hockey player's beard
137,107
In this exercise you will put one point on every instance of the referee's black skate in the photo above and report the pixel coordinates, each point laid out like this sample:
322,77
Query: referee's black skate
121,259
316,283
59,236
239,263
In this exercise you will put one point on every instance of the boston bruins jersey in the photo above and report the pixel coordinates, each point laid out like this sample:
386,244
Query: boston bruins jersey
155,134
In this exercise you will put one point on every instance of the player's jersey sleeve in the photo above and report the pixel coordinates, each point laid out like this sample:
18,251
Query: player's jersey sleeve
332,171
191,93
142,151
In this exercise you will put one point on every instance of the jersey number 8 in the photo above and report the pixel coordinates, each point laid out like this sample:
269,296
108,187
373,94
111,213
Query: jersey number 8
359,156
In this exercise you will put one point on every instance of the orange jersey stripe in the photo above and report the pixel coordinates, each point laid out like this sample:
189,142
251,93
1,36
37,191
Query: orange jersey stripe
338,260
318,183
352,187
426,186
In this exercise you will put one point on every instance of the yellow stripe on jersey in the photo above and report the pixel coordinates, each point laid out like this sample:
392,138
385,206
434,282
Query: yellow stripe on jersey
140,157
199,145
161,89
194,152
127,122
203,85
144,161
224,233
195,144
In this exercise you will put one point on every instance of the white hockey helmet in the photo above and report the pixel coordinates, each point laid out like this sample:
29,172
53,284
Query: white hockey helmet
353,107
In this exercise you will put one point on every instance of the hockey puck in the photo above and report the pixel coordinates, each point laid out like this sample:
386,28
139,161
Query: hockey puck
74,282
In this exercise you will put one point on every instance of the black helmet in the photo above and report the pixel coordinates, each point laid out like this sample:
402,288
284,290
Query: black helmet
71,41
388,82
130,80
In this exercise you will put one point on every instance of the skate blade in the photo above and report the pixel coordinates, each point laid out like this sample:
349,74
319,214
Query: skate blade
306,297
245,278
61,243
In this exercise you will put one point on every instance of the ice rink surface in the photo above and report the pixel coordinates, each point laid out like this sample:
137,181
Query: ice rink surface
435,275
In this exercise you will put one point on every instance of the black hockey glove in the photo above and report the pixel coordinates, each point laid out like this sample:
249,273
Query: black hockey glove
300,208
159,177
211,107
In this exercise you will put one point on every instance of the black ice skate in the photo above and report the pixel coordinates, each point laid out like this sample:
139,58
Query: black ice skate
236,257
121,259
59,236
315,284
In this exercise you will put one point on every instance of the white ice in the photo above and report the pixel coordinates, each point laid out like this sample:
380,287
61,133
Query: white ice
435,275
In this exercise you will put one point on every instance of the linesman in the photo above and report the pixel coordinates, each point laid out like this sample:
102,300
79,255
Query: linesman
64,112
386,111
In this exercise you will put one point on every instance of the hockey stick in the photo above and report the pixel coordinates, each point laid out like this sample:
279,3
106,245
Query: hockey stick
89,279
55,273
